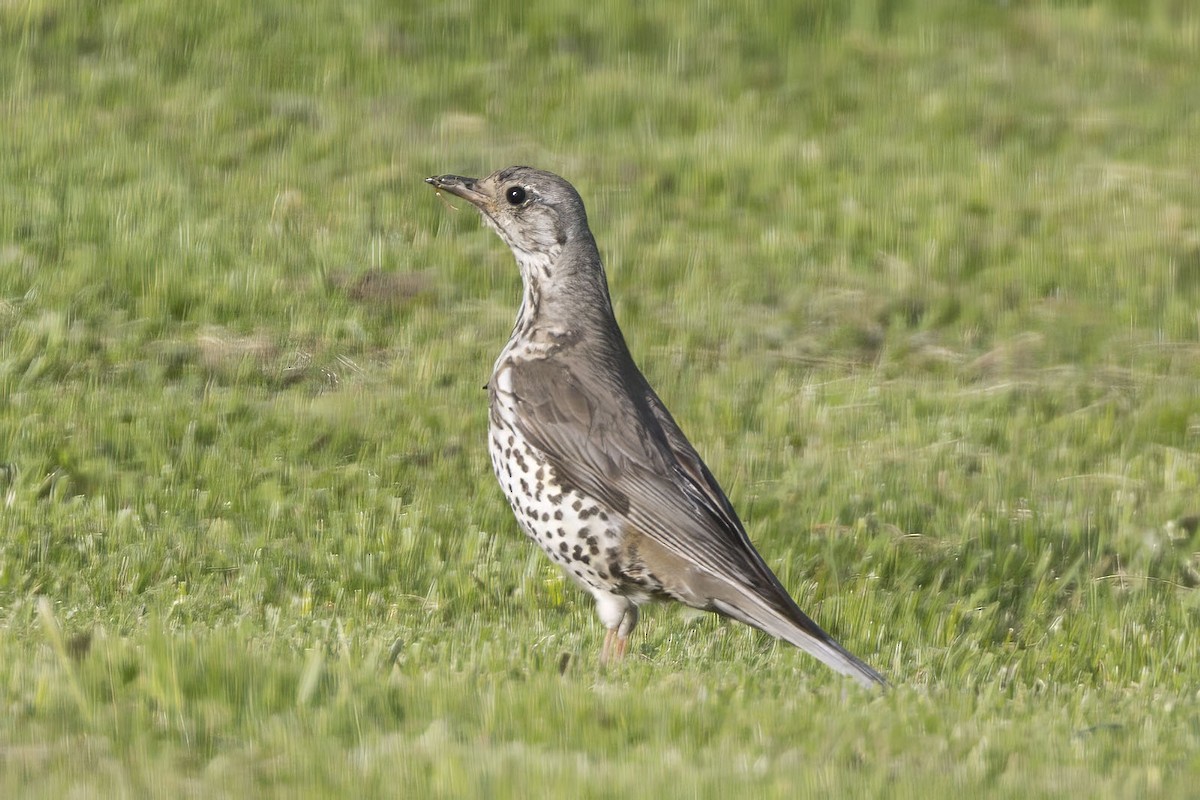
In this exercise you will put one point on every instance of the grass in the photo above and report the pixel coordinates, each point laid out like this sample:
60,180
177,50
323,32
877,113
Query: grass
920,279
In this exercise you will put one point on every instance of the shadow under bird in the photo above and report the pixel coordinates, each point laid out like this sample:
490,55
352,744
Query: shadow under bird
595,468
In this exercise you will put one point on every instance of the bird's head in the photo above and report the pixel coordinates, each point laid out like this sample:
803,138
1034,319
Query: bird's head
535,212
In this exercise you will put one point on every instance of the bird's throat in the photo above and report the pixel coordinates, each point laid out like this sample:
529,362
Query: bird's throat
561,292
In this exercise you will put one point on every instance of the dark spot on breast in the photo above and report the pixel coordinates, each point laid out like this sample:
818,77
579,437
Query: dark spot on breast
562,547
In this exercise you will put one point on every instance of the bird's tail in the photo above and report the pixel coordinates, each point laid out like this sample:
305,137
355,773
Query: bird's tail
804,634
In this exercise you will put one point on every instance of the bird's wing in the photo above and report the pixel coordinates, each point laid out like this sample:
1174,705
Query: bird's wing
617,445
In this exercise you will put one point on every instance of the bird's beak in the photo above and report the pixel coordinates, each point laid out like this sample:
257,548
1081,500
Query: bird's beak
459,187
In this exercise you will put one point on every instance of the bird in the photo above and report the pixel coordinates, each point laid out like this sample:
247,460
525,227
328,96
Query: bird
596,470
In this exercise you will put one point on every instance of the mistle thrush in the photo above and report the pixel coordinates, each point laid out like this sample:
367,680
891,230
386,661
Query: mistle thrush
595,468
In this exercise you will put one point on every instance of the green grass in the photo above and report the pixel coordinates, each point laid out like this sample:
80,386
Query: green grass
920,279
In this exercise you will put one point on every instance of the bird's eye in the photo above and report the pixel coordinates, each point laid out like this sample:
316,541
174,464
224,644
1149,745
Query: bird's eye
515,195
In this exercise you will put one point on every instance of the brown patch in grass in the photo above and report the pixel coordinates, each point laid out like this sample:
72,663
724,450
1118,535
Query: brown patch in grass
386,290
220,349
1018,355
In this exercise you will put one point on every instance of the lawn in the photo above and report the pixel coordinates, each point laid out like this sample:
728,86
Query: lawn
920,279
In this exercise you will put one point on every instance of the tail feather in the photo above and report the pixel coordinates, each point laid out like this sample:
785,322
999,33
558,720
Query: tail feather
811,639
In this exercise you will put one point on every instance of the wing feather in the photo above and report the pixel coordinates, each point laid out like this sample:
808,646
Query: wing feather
634,448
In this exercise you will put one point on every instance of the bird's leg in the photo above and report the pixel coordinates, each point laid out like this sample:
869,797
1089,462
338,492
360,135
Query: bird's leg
614,648
607,649
622,646
620,617
629,621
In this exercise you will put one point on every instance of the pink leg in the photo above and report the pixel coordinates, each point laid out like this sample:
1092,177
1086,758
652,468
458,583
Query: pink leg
620,616
614,648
